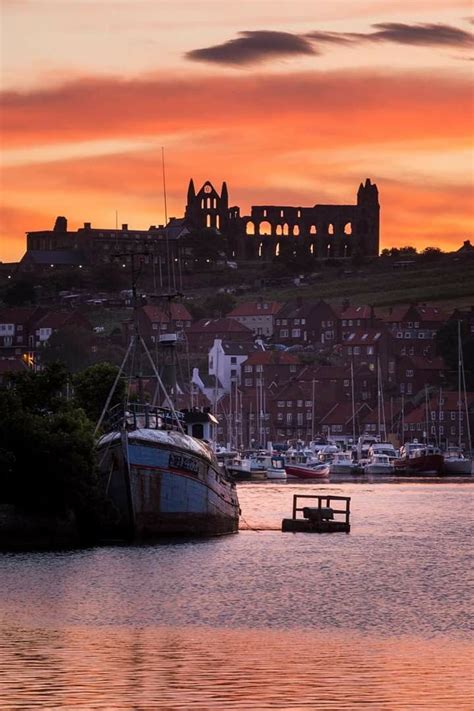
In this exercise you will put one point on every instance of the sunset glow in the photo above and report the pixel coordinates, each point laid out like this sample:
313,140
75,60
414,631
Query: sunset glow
289,104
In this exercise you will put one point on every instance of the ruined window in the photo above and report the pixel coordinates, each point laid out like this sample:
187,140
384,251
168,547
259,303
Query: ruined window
298,213
279,230
265,228
208,203
218,221
208,221
277,250
311,249
329,250
282,213
260,249
330,229
250,230
313,230
348,228
264,213
296,230
285,229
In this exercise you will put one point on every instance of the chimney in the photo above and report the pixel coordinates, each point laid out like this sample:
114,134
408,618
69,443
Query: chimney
87,225
124,226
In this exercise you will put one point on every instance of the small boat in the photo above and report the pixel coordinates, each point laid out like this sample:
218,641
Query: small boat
302,471
342,463
456,464
379,464
276,470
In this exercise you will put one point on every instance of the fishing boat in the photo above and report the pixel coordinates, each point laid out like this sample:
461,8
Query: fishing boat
163,482
159,479
419,460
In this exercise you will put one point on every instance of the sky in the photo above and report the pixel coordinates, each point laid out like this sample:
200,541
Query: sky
292,103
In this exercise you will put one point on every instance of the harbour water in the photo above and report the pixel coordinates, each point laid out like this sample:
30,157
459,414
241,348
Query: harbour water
377,619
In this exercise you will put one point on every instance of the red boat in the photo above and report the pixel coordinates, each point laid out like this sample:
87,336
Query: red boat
300,471
418,460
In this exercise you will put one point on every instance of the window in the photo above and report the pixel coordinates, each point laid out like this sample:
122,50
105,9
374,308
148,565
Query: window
453,415
296,322
346,383
155,326
349,350
19,327
453,430
299,418
308,403
409,373
441,430
407,334
281,403
299,403
289,418
409,388
344,322
309,415
292,368
280,417
277,322
416,324
283,333
284,322
289,403
303,321
248,382
356,350
248,368
441,415
370,350
233,360
295,333
259,368
233,372
433,415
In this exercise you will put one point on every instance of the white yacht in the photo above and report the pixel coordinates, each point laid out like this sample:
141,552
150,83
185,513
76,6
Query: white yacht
379,464
455,463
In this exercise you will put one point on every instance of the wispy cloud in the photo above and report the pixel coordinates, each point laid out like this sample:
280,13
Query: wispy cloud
252,47
427,34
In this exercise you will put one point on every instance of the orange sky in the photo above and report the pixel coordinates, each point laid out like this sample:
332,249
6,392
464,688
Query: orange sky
290,103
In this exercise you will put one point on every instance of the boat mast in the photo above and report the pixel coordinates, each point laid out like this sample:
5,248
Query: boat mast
353,402
459,384
468,424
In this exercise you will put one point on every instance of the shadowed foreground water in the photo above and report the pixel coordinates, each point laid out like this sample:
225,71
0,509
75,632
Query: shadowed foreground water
376,619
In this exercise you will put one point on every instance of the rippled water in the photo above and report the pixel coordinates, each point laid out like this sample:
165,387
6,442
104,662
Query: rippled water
376,619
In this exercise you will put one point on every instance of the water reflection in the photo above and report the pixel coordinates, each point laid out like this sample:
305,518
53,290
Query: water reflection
228,669
378,619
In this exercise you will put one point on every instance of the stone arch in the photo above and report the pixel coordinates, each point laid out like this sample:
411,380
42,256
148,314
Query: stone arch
313,230
208,221
264,228
348,228
250,228
279,230
330,229
286,229
296,230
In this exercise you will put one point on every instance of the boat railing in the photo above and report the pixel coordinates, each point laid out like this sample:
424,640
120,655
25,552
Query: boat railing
135,416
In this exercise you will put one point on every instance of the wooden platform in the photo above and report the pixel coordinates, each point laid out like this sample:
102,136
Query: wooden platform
320,518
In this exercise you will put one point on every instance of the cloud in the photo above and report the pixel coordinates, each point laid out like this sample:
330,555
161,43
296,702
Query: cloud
420,34
299,106
253,47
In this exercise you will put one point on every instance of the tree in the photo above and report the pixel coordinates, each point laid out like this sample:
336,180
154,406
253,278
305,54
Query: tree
39,392
92,387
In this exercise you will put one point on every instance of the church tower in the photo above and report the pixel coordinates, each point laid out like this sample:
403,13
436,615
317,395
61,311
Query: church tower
206,208
368,219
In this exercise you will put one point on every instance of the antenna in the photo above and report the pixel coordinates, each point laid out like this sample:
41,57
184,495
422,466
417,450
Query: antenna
164,183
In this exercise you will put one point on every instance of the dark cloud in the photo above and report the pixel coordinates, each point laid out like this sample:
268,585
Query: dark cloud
252,47
420,34
400,33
